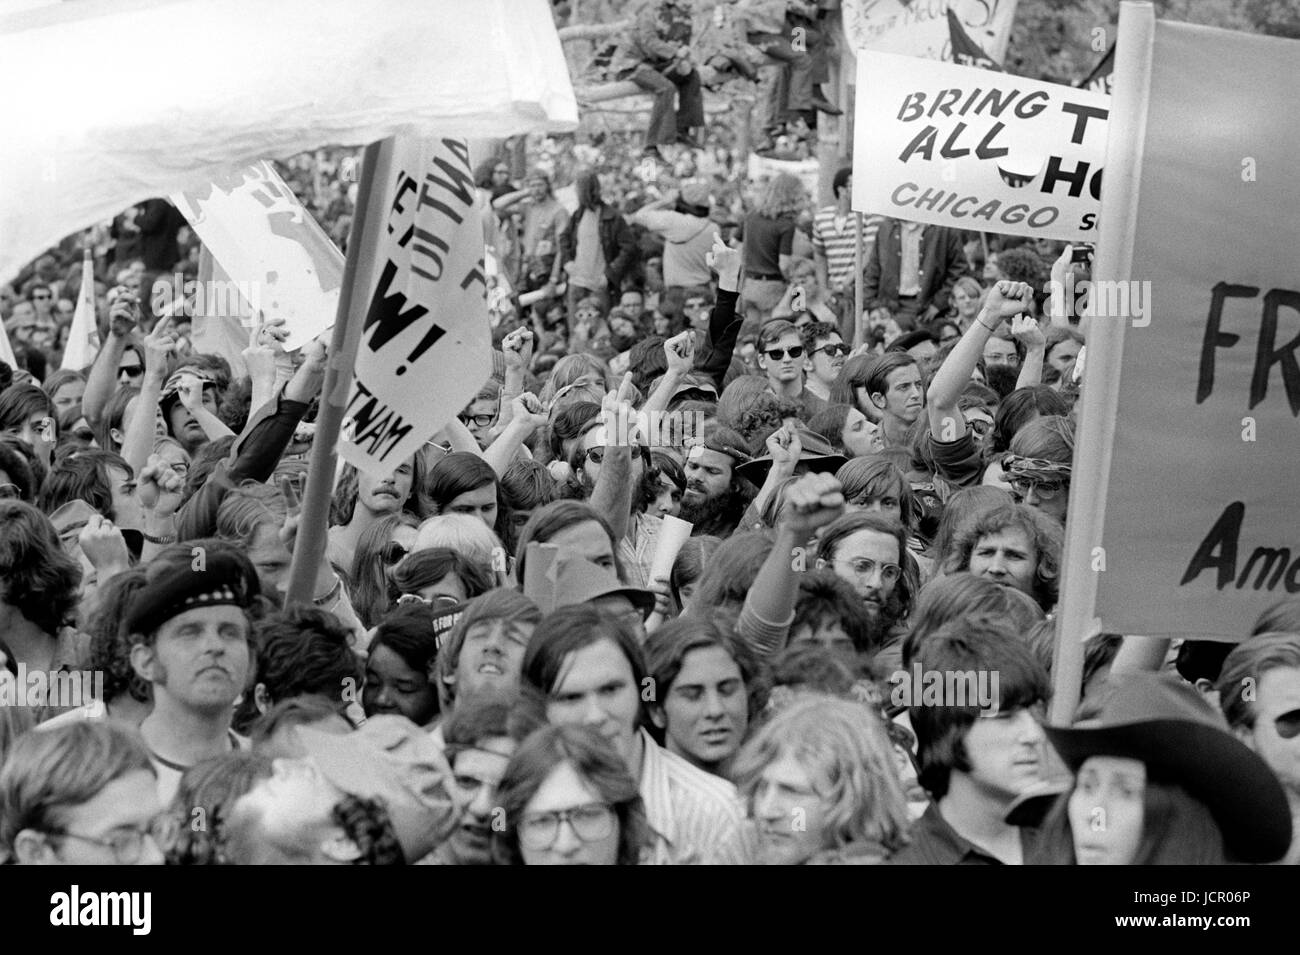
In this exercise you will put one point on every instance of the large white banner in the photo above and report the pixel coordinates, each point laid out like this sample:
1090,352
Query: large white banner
920,27
426,347
279,260
973,149
92,121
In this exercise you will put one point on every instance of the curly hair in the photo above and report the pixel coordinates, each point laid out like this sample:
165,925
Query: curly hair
367,823
845,744
783,197
203,800
41,581
1043,534
110,644
595,761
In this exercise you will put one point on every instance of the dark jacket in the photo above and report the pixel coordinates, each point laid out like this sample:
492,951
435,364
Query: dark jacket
617,243
658,32
943,262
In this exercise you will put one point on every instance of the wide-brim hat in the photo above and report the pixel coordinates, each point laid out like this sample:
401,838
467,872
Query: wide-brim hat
1164,723
816,455
557,577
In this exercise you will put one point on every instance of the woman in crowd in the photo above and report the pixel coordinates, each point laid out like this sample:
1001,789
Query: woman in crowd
848,431
437,576
386,542
399,662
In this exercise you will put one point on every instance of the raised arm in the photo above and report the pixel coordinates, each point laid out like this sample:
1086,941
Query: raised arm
612,495
1026,331
527,417
946,420
137,445
102,380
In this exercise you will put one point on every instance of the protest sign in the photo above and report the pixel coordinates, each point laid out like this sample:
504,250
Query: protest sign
426,343
1189,424
279,260
920,27
974,149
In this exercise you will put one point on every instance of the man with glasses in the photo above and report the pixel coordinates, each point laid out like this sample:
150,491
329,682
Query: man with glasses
42,300
826,356
782,358
1259,691
82,794
130,369
480,415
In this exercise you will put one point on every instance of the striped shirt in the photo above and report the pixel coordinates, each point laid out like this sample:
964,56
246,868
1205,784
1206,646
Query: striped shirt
832,235
696,817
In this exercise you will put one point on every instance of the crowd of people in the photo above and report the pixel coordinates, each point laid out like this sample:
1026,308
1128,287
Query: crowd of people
493,667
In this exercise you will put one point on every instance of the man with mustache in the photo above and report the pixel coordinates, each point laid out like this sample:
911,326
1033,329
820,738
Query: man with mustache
190,633
716,496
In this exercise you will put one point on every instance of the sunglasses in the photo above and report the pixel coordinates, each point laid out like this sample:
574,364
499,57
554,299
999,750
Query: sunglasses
478,420
131,371
1288,724
84,434
1046,490
41,298
393,552
778,354
833,350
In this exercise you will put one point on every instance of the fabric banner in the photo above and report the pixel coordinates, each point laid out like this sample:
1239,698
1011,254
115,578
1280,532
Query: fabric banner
920,27
1200,528
426,345
274,79
279,260
972,149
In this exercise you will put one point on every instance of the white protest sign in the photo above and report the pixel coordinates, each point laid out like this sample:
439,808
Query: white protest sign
280,261
807,171
920,27
973,149
426,346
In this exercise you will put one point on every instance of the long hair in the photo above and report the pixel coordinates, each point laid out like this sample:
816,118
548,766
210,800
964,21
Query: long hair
368,575
961,511
955,595
783,197
502,604
555,517
110,643
732,568
594,760
854,375
422,568
899,603
667,648
1177,829
865,478
203,800
569,369
344,501
40,581
845,743
1043,534
1022,406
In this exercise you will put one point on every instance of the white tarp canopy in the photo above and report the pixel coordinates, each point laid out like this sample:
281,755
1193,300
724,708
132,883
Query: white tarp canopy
110,102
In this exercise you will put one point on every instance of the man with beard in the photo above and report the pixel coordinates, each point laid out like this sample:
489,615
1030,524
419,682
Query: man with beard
479,747
482,657
869,550
190,638
716,496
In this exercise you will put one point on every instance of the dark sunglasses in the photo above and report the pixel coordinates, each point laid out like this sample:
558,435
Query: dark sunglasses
479,420
393,552
1288,724
37,297
833,350
132,371
84,434
778,354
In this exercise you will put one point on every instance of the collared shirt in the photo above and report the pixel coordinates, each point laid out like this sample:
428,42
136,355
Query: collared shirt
638,558
909,272
696,818
935,842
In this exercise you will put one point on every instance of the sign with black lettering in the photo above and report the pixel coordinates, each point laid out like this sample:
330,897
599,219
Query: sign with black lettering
1202,519
426,342
973,149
